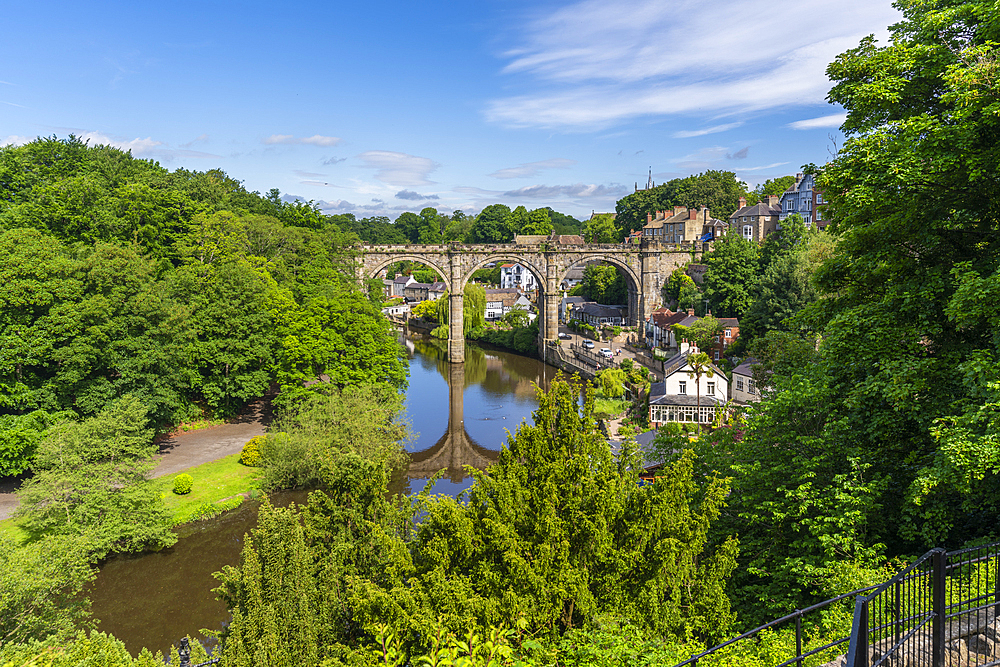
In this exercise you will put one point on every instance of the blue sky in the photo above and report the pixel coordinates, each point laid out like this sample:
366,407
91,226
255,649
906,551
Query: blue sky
377,108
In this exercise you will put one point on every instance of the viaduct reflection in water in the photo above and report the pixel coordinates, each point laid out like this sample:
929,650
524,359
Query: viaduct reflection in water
469,413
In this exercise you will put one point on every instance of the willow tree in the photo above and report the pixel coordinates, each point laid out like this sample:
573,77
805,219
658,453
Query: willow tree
473,308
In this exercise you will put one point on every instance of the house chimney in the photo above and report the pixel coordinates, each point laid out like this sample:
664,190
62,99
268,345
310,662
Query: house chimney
743,202
649,218
678,209
772,200
690,312
692,214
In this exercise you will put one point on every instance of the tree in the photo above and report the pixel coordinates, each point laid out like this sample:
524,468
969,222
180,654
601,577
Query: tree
42,589
492,225
701,365
731,275
772,186
603,284
792,233
703,333
426,309
601,229
538,223
91,478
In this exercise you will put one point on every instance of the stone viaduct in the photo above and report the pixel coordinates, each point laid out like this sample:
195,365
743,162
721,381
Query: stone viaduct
645,267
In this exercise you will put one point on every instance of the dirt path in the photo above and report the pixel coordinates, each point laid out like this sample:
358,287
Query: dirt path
183,450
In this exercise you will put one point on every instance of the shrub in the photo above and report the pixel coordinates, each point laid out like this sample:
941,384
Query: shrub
183,483
250,456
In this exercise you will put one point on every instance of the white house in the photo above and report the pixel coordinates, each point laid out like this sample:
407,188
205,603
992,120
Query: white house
400,283
573,278
516,276
597,314
676,399
744,387
401,309
501,301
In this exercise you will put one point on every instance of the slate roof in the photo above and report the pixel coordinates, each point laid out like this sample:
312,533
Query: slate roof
746,368
676,362
401,279
684,399
662,317
438,287
756,209
600,310
575,273
567,239
729,321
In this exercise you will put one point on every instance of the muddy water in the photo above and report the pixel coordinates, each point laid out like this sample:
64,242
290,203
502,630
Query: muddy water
459,415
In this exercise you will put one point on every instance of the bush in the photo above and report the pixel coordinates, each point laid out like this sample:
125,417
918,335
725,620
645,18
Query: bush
250,456
183,483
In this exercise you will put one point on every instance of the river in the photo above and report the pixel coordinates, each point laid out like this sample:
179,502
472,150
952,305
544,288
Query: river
459,415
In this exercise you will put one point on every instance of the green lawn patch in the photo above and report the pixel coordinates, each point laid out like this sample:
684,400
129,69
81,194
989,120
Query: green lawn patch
610,406
213,481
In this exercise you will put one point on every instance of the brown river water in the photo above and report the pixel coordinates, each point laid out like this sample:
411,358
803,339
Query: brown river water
459,415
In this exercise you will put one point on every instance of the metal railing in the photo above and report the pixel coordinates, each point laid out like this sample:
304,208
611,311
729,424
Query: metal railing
795,617
592,357
939,611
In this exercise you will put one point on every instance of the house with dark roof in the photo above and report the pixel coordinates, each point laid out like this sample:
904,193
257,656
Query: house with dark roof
597,314
568,303
400,283
424,291
803,198
683,397
756,221
499,302
730,332
573,278
744,387
682,225
659,326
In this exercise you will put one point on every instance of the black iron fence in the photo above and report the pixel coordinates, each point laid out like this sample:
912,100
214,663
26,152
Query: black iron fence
593,357
940,611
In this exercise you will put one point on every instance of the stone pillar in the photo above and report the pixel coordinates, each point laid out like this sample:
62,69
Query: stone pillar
650,288
548,328
456,329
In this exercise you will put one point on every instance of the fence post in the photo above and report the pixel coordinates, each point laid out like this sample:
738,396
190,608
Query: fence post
857,650
938,574
798,637
184,652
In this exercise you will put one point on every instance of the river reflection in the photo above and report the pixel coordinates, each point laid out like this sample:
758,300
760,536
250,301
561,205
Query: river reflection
459,414
487,396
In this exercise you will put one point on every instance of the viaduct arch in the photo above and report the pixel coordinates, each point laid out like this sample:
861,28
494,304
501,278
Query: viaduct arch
646,268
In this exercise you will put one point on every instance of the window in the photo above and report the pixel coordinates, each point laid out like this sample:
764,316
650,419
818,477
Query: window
716,355
748,232
710,388
751,388
682,388
739,383
788,205
729,333
716,339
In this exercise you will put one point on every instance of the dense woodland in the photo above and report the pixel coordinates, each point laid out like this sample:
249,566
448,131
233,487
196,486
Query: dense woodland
878,436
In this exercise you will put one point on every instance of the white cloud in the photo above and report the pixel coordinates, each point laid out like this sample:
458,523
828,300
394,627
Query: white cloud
530,169
598,62
199,139
15,140
833,120
687,134
138,147
315,140
578,190
399,168
762,167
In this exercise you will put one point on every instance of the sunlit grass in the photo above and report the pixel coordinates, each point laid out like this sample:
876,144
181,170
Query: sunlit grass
213,481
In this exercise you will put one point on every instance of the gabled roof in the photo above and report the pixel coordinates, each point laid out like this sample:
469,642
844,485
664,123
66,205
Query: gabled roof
746,368
756,209
567,239
664,318
729,321
679,361
438,287
600,310
403,279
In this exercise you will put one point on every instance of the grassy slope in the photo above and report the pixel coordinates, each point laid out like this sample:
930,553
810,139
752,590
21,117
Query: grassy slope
213,481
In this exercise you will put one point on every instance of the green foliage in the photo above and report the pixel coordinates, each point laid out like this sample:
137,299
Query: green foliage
19,436
603,284
426,309
557,534
611,382
250,454
307,438
91,478
96,648
518,317
520,339
41,588
731,275
601,229
538,223
183,484
701,333
677,282
493,225
719,191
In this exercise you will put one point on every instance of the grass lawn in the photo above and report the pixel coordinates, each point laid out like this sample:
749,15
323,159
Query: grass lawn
212,482
12,531
610,406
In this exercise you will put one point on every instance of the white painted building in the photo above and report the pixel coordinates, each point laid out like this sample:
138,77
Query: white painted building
676,399
516,276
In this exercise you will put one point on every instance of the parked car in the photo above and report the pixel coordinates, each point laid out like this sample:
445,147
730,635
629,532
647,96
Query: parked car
564,335
589,344
605,352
